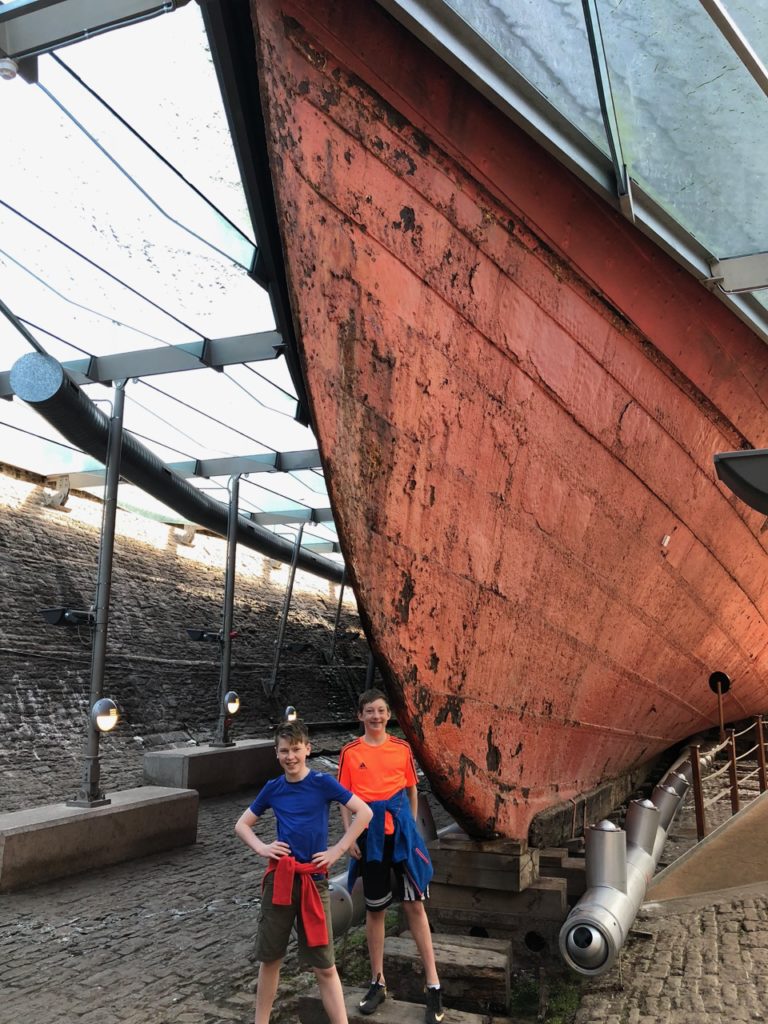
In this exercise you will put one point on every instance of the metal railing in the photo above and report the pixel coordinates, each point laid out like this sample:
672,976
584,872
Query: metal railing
726,748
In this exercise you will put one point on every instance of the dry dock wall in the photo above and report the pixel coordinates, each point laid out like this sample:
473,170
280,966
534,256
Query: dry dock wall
165,684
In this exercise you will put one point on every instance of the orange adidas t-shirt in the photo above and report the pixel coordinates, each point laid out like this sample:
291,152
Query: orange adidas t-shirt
377,772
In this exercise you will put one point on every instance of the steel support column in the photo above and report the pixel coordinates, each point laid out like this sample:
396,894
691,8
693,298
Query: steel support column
270,687
332,651
221,737
90,793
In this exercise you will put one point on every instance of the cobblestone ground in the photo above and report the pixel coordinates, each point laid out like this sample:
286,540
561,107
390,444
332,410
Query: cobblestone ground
168,940
695,964
690,961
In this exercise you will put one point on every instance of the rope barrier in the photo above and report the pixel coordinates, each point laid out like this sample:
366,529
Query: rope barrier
747,753
714,799
744,731
714,775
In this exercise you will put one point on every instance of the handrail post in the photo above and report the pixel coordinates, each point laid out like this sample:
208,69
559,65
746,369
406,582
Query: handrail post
698,797
760,753
733,771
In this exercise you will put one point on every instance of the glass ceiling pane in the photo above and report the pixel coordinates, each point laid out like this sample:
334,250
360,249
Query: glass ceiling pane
141,166
546,42
693,122
159,76
63,182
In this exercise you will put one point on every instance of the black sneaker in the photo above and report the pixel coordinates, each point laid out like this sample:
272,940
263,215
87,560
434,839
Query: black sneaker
434,1012
374,997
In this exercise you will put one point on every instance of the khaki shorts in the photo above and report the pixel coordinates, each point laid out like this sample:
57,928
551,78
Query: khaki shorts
276,923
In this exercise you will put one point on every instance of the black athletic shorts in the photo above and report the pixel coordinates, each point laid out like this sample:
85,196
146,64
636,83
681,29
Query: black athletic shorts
383,880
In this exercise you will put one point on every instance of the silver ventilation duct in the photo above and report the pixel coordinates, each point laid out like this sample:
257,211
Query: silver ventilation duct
619,866
40,381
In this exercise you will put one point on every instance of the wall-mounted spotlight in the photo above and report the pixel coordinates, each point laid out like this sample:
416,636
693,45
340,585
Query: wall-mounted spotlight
231,702
68,616
104,714
290,714
208,636
8,68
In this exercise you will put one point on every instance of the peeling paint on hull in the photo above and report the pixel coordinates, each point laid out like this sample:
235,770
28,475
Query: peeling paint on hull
517,396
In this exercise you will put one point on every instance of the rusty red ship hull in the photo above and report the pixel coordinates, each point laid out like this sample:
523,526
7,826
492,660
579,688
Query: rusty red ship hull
517,398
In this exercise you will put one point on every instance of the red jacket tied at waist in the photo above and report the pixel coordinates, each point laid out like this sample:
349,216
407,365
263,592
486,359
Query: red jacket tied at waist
311,907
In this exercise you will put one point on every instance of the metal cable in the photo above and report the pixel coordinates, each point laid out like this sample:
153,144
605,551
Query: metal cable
115,163
258,401
41,437
107,273
126,124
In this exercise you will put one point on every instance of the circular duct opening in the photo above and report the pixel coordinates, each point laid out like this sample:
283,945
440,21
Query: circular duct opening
535,942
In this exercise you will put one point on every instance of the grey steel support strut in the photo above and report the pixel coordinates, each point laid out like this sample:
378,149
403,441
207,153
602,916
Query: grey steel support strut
90,793
221,737
270,686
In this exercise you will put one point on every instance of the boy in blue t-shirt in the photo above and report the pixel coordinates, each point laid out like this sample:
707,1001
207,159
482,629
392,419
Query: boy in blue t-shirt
295,887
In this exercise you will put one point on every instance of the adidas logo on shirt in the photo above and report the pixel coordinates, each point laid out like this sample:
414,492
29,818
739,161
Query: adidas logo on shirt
362,765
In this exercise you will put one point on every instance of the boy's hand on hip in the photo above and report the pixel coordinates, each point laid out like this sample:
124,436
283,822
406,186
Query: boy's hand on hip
276,850
354,851
327,858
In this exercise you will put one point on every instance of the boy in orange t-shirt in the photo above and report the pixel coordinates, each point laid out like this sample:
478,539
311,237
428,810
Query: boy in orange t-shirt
376,767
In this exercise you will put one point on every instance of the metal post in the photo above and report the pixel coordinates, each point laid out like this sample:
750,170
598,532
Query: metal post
90,793
221,736
720,709
698,796
269,688
332,651
732,771
760,753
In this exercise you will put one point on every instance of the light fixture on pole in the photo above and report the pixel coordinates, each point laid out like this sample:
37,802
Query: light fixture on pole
105,715
230,705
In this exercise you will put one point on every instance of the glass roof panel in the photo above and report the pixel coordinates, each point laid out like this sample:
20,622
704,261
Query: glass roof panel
159,76
693,122
164,285
546,42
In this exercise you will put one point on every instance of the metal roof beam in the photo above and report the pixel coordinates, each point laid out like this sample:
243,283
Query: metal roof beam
607,108
741,273
293,515
321,546
738,42
269,462
29,28
264,462
194,355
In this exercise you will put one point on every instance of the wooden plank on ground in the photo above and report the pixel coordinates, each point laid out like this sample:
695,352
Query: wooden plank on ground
473,977
391,1011
547,898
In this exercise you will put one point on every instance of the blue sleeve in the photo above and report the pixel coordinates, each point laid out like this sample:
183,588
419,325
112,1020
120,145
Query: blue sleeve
262,801
333,790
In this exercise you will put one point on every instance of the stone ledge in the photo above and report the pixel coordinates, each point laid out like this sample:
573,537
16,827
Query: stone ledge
42,843
213,770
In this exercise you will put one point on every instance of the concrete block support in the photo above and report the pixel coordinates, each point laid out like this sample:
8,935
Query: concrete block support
213,770
43,843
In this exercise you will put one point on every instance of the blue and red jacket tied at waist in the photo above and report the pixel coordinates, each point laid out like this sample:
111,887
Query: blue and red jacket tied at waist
410,849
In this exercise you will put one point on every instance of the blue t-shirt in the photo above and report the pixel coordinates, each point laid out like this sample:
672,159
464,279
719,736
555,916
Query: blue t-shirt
301,809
